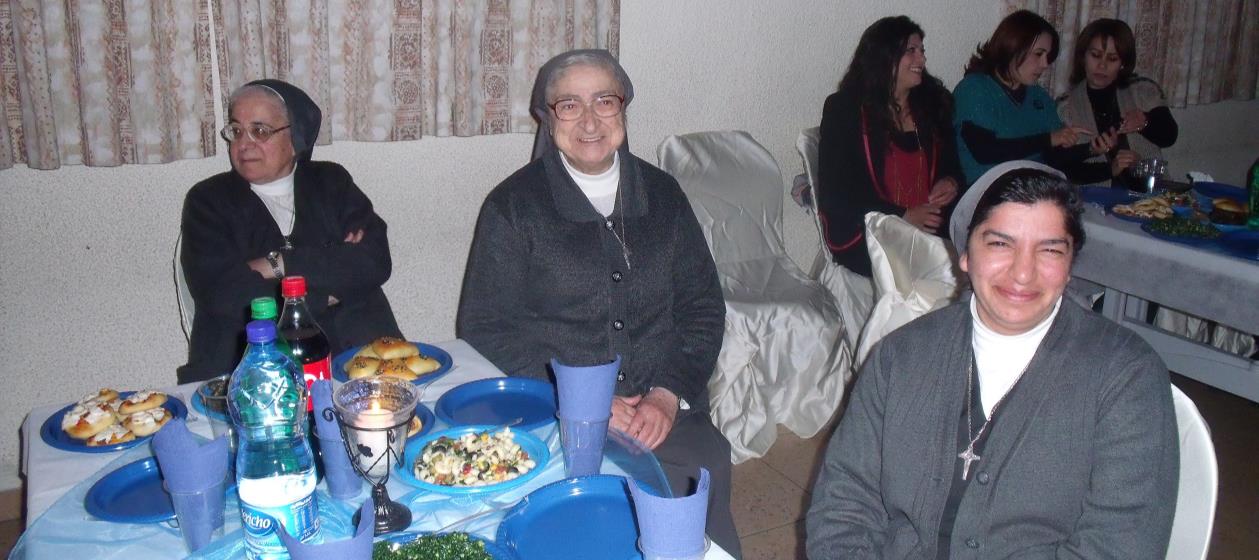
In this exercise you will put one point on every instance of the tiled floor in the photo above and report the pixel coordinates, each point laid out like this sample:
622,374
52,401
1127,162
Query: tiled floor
771,494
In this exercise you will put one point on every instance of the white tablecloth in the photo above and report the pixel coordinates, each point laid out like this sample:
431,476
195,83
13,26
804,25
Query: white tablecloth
51,472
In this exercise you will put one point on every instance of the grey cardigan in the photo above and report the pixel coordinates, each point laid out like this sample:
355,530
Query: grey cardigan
546,278
1081,463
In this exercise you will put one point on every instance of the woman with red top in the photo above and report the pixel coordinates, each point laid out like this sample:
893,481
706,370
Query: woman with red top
887,143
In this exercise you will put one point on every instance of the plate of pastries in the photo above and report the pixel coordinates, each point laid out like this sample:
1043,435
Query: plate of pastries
108,420
392,357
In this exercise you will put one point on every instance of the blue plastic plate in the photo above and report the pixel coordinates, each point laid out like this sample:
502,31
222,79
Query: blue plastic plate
497,401
426,422
496,552
53,435
1241,244
527,441
442,357
1219,190
584,517
131,494
1196,241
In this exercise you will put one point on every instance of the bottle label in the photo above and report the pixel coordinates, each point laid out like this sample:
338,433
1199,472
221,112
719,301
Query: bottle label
314,371
300,519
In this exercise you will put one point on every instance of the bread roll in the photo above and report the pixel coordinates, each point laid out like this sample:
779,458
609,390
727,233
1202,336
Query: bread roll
366,352
389,348
362,366
398,369
101,396
113,435
422,364
140,401
1228,205
82,422
147,422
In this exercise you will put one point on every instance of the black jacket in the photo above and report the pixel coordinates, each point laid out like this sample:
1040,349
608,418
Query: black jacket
225,225
846,191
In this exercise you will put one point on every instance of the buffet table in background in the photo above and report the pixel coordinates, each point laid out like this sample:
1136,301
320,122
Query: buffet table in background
57,481
1137,269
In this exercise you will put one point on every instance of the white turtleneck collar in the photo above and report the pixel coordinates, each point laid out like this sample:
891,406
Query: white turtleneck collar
600,189
277,196
1000,358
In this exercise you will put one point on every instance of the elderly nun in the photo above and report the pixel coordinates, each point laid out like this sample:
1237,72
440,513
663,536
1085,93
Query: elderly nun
588,252
276,214
1033,428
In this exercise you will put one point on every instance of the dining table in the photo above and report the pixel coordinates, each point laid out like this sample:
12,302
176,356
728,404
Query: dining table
58,482
1135,269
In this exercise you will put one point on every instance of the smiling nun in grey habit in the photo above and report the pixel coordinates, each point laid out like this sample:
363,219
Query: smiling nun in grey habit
1034,428
589,252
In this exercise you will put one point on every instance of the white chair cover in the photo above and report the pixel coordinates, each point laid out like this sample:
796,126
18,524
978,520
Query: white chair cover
186,306
913,275
1200,330
854,293
784,360
1199,478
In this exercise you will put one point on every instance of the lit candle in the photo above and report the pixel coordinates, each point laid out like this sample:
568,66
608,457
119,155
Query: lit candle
375,418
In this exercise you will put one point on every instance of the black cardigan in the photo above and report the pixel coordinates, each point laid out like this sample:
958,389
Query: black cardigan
546,278
225,225
846,191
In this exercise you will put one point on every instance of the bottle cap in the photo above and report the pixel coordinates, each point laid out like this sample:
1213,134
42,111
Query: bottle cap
257,332
262,308
293,286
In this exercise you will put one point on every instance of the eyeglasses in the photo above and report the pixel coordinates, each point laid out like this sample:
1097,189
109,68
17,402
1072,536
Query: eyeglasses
257,132
609,105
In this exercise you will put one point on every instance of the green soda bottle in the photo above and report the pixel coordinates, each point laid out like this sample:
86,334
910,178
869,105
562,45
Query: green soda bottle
1253,184
265,309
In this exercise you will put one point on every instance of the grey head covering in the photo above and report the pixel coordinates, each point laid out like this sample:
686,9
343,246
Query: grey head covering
965,209
543,142
303,114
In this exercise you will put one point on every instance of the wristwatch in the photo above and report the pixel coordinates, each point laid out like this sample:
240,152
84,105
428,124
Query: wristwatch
273,258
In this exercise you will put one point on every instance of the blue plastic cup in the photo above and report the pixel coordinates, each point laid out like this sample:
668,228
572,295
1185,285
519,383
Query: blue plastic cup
582,443
343,481
200,514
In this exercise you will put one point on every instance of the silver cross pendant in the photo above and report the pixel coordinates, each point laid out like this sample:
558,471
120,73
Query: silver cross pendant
967,456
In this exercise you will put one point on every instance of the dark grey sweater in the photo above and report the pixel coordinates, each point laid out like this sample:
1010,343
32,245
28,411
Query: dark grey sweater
547,278
1082,461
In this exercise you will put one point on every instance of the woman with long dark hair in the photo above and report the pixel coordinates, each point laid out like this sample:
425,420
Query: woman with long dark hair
1107,96
1003,115
887,142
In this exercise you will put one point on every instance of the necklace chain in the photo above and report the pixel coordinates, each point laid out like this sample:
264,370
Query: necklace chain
620,201
968,455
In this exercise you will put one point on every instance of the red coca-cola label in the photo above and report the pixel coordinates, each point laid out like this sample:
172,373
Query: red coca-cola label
321,369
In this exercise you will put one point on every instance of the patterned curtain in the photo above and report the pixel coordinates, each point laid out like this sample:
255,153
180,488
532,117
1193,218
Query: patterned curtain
386,70
1199,51
104,82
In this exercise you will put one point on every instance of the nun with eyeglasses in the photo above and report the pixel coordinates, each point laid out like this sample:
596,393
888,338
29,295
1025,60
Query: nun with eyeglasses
588,252
277,213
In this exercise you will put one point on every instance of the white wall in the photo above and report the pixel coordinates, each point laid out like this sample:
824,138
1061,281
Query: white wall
86,291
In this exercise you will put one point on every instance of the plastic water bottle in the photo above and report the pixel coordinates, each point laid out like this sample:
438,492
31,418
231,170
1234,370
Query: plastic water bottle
275,470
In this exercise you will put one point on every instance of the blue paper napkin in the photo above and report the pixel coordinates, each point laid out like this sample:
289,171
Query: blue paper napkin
186,464
672,526
343,481
358,547
585,392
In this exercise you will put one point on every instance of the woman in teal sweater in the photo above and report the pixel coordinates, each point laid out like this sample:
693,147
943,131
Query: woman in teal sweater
1002,114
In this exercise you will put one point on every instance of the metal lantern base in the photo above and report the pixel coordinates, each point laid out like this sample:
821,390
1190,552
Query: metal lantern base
391,516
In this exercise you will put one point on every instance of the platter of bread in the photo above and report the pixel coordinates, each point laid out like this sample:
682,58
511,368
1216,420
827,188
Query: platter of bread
108,420
392,357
